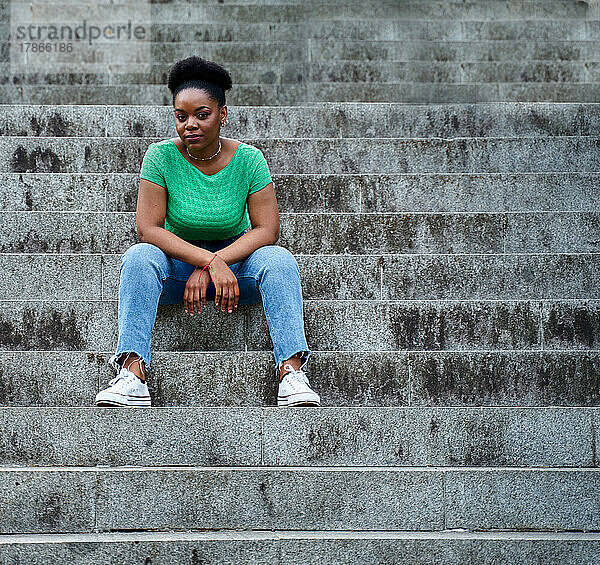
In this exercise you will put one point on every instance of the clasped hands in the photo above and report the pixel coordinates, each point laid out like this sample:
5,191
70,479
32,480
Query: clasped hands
226,286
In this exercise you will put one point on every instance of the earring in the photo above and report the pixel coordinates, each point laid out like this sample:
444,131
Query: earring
224,123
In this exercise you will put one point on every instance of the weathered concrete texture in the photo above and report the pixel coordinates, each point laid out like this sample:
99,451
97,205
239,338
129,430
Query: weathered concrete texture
285,72
355,234
524,499
67,232
558,92
561,378
342,378
572,325
308,551
553,232
261,94
67,326
414,277
356,326
345,325
436,233
270,499
49,378
231,53
468,277
485,192
338,156
314,12
344,436
51,277
416,436
47,501
323,193
318,120
49,191
448,50
120,436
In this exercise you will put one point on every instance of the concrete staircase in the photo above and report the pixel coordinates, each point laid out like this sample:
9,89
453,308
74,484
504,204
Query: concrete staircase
293,52
450,262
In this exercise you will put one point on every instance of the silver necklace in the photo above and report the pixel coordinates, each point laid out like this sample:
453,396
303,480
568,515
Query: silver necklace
204,158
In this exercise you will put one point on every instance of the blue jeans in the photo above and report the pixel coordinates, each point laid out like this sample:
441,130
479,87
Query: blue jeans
149,277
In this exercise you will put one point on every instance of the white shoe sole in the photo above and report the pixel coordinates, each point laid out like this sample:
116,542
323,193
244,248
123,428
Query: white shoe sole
299,399
111,399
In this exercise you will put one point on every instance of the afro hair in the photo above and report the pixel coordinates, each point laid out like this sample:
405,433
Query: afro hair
196,72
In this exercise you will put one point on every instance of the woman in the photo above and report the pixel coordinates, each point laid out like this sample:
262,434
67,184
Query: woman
192,203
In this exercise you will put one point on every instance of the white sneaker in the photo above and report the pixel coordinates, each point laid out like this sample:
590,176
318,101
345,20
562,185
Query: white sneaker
294,389
126,389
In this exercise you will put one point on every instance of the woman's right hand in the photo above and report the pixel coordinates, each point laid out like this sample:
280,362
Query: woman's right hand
195,290
226,284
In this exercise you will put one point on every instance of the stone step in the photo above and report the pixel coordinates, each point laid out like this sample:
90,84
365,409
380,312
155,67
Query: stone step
347,325
450,547
386,72
321,51
339,277
322,155
342,378
323,193
318,234
86,499
302,94
380,30
364,120
35,12
159,13
375,436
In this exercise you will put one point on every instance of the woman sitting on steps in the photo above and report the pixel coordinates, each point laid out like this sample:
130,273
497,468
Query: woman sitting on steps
192,201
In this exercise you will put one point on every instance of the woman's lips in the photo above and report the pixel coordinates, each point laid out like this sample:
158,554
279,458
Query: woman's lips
193,137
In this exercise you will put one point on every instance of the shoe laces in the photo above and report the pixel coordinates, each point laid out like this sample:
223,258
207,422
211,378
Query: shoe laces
296,374
124,374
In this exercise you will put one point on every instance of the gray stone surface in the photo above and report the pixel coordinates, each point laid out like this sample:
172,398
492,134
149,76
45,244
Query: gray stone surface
345,325
357,325
556,378
333,156
418,277
120,436
307,551
326,119
51,277
429,436
571,325
523,499
220,436
353,234
286,72
356,378
301,94
270,499
493,277
49,378
432,192
55,500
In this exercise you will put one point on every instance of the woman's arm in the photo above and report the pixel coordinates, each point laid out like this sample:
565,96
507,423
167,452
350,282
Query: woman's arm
150,221
264,217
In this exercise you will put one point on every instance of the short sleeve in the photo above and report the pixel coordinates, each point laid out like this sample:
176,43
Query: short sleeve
261,175
150,169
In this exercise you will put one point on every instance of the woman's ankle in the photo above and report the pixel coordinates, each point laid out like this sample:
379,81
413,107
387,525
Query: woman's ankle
134,363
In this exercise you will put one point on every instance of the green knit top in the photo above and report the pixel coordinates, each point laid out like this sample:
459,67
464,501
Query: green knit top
200,206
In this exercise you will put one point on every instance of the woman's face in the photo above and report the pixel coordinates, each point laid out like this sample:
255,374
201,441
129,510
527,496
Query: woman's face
198,115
